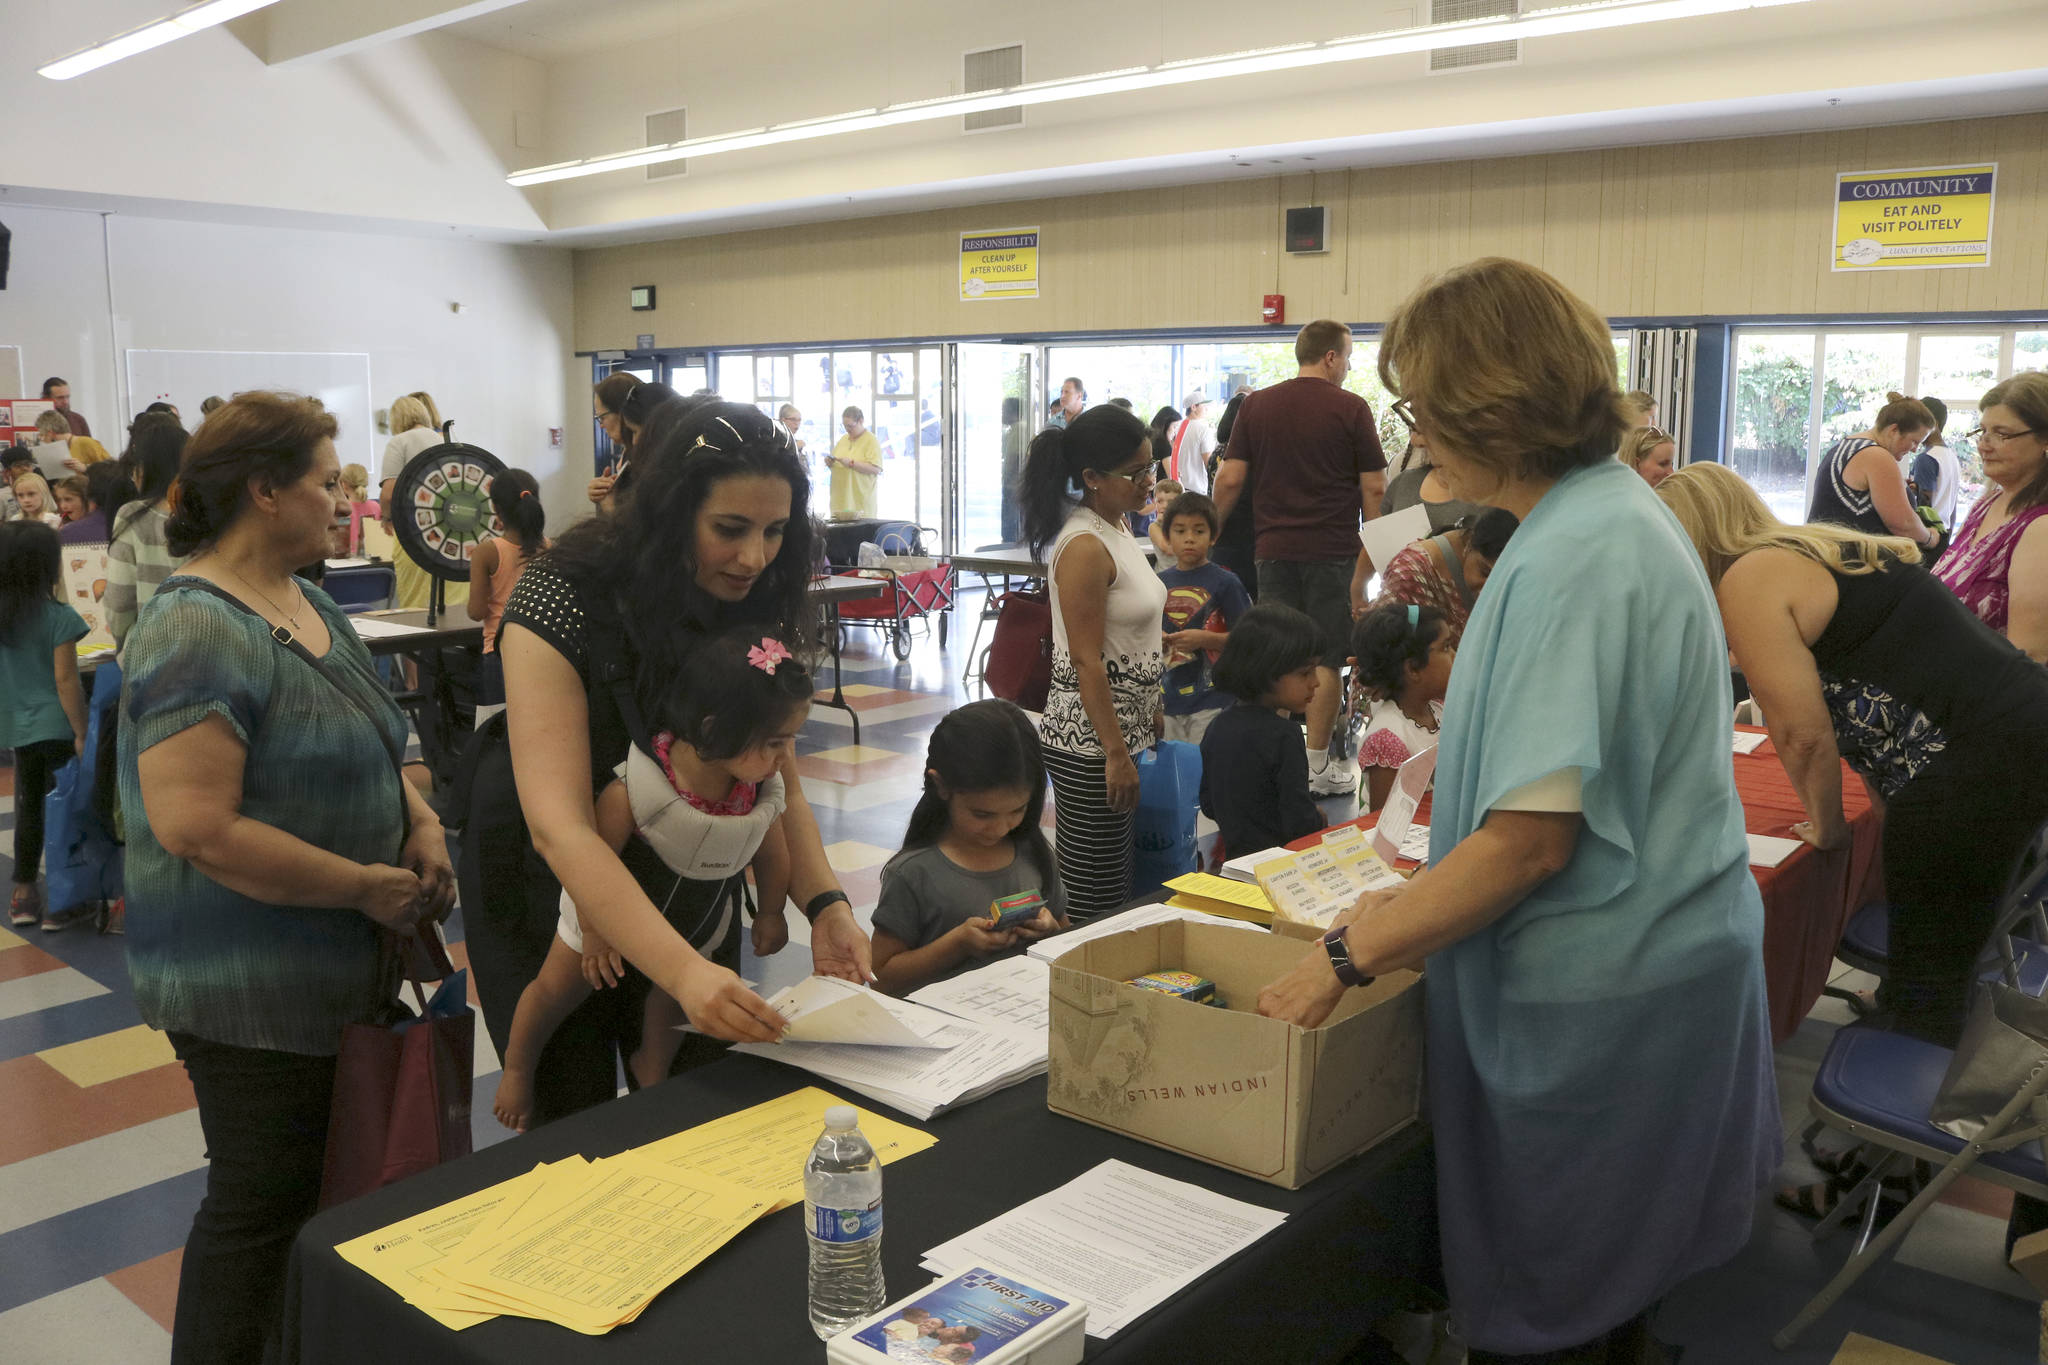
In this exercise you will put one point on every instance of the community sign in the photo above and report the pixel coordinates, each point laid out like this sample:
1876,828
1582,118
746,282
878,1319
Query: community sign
1925,218
1002,264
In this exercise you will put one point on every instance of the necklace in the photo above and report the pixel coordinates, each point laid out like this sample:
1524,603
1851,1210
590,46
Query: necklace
288,616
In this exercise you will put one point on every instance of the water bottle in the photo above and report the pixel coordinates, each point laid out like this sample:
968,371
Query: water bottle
843,1223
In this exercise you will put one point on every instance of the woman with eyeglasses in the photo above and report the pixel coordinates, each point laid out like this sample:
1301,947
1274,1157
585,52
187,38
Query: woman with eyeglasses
1998,564
1593,936
1080,482
610,395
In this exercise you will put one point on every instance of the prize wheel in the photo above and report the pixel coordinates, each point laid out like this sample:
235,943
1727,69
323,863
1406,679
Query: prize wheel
441,507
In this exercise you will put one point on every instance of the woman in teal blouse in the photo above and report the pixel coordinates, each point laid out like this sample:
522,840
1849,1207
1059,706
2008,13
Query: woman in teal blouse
270,839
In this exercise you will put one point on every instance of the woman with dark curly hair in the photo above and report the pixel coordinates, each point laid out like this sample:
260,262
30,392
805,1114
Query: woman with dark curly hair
716,534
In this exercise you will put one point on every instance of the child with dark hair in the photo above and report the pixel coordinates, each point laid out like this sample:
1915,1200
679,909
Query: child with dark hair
704,801
1203,601
974,839
1254,768
1402,655
43,718
495,570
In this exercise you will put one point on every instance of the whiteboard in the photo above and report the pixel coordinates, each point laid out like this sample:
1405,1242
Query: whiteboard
185,379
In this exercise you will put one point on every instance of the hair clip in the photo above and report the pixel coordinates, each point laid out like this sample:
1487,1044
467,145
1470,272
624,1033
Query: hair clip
1414,615
767,654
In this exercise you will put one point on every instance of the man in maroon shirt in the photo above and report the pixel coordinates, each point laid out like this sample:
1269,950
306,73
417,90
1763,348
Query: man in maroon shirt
59,394
1320,473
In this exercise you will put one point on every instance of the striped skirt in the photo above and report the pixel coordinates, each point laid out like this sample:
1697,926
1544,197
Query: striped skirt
1093,844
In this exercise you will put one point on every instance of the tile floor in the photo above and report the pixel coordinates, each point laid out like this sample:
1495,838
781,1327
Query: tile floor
102,1164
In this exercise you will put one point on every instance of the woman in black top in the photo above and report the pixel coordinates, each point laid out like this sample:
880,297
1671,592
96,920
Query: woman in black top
716,533
1860,484
1855,652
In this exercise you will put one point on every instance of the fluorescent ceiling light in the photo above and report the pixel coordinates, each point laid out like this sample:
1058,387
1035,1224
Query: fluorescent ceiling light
155,34
1543,23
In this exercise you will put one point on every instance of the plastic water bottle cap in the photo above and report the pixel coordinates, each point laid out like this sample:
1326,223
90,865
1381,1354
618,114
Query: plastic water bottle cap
841,1117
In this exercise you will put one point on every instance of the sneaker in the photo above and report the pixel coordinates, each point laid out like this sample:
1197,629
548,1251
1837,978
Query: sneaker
1339,777
25,908
111,917
56,921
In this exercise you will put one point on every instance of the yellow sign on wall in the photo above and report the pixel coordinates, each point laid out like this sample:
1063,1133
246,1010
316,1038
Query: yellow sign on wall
1922,218
1001,264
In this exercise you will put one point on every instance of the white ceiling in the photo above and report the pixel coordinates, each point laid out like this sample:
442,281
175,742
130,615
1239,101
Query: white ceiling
331,117
551,30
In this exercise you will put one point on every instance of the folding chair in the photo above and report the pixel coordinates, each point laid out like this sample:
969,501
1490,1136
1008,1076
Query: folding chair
1880,1087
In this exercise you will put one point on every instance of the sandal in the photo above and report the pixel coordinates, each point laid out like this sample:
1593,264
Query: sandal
26,907
1814,1201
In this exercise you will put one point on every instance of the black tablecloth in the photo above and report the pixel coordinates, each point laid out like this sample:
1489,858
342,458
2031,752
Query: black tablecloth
1306,1293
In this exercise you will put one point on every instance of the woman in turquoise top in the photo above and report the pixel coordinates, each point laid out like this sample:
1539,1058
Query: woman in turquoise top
1600,1073
270,838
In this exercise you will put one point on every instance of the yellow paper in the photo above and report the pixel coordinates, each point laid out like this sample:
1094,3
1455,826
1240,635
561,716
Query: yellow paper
1220,896
396,1256
762,1149
551,1186
633,1228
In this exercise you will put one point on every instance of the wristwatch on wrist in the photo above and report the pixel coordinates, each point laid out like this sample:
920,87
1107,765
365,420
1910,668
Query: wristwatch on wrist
1340,958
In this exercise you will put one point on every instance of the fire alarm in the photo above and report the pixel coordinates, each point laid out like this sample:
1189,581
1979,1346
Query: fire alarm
1273,311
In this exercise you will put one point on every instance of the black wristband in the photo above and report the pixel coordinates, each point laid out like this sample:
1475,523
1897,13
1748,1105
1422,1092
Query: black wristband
817,904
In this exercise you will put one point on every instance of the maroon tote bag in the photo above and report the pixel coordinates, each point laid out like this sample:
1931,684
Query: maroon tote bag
402,1087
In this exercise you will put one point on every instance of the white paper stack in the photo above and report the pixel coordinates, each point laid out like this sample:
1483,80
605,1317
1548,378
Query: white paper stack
956,1061
1053,948
1010,990
1415,843
1119,1238
1748,741
1244,869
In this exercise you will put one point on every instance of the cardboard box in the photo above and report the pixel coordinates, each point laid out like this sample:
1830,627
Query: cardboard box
1253,1095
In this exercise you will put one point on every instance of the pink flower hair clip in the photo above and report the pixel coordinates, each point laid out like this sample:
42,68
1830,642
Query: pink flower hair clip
767,654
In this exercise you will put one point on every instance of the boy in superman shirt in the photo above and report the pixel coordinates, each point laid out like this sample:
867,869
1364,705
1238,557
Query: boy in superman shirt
1203,601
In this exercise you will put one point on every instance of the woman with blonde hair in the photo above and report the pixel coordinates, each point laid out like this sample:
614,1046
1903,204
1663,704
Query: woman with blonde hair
1860,483
1998,563
415,426
1650,452
1852,654
1588,865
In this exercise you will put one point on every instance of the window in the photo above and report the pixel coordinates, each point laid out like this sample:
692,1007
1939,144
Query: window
897,392
1773,428
1797,392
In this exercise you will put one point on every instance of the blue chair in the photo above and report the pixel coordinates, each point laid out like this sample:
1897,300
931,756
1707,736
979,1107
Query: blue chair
362,587
1880,1087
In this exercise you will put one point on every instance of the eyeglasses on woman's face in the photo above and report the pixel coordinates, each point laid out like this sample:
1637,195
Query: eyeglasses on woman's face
1998,436
1405,412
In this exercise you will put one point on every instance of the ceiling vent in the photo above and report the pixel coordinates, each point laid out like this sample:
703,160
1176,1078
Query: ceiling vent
1475,54
670,125
992,68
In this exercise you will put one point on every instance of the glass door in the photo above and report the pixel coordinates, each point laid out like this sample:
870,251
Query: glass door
991,407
